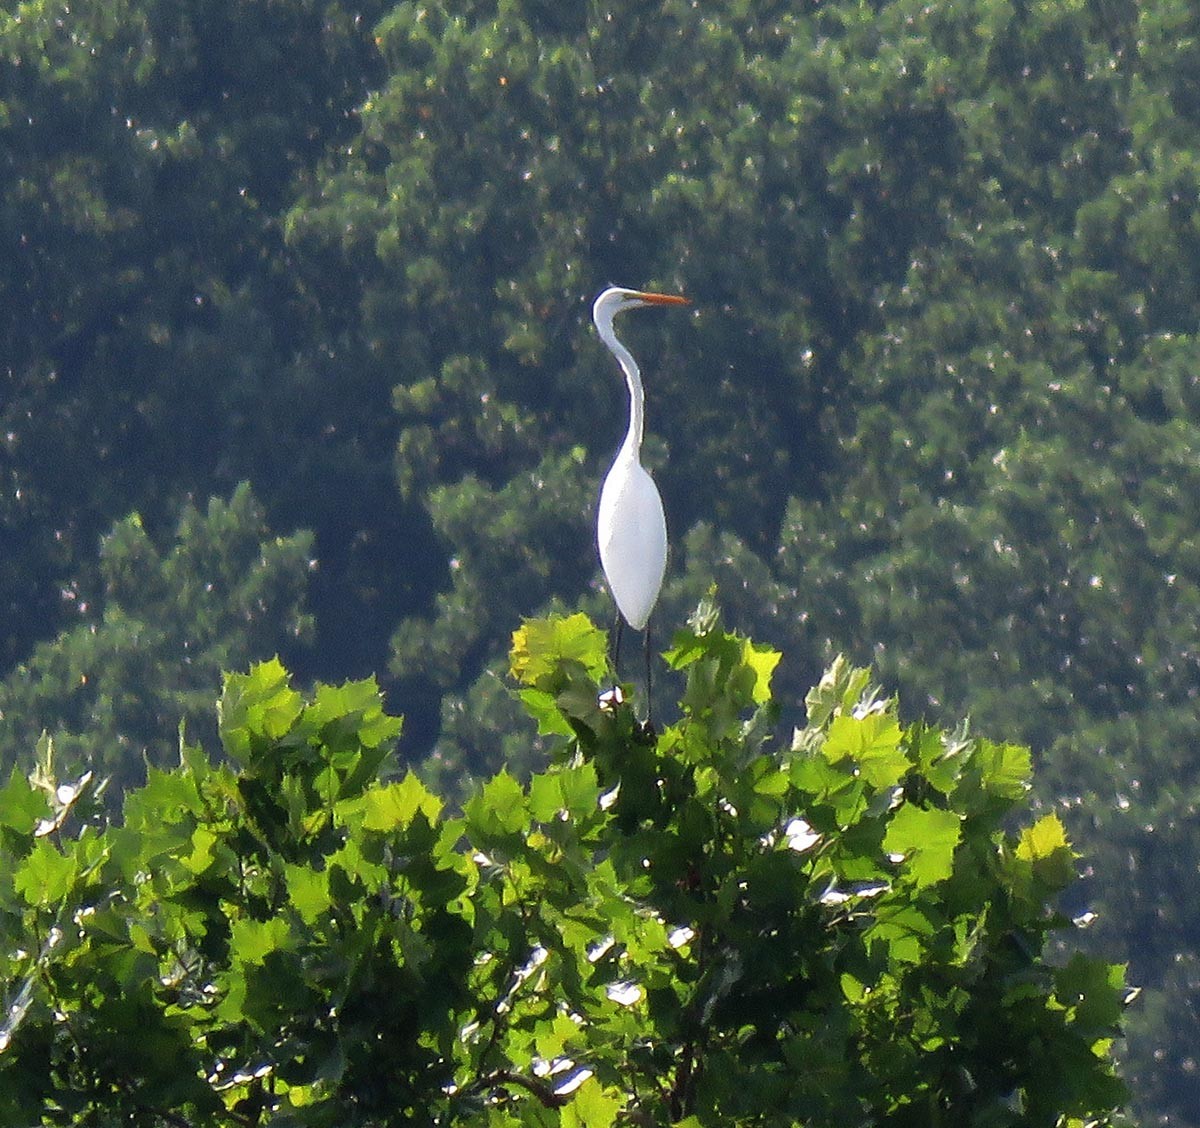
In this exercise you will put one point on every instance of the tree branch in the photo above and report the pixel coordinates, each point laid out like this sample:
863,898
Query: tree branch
545,1096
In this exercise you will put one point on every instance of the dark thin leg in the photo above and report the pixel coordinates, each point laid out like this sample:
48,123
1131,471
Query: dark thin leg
616,647
649,684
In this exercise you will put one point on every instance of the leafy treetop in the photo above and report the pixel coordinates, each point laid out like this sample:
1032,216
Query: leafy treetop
714,926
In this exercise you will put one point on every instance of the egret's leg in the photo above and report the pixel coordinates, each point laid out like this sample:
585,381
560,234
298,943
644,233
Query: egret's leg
616,647
649,684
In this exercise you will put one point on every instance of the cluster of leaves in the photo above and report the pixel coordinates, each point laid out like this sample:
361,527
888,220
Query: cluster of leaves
711,927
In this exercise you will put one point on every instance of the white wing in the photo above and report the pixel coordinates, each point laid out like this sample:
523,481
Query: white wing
632,534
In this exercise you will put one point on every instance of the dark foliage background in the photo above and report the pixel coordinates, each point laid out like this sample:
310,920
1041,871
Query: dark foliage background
936,405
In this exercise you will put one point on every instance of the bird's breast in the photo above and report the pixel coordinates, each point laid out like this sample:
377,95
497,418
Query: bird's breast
632,534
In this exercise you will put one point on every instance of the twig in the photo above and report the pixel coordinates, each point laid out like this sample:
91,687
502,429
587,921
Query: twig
546,1096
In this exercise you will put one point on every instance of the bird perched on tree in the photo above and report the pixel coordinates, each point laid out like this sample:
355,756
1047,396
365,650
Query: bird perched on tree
630,529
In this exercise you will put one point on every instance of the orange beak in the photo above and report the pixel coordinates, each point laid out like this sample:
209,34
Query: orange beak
661,299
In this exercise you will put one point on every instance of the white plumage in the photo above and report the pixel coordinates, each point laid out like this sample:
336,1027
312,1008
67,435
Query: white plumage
630,529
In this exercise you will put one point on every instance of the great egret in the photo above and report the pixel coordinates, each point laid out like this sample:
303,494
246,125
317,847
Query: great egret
630,528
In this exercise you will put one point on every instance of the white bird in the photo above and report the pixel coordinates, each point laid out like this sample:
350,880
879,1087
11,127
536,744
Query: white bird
630,528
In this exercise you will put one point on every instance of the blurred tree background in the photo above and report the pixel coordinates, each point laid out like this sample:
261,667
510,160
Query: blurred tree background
936,405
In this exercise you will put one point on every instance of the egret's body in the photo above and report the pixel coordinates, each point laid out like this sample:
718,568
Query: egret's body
631,529
632,532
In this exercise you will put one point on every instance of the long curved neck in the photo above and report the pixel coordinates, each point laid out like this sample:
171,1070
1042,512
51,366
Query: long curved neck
633,377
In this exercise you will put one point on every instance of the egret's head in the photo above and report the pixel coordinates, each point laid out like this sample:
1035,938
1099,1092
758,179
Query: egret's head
617,299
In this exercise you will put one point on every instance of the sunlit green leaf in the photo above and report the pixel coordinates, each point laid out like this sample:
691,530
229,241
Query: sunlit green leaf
873,743
1044,845
762,660
45,875
571,791
203,841
260,705
392,806
363,701
539,645
21,804
592,1106
839,689
927,839
1005,768
308,892
498,808
543,707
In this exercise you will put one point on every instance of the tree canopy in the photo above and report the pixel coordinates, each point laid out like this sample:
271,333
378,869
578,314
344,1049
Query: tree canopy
714,927
935,407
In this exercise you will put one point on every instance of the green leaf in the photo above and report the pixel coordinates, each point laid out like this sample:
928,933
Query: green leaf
936,762
540,646
1005,769
252,940
258,706
927,839
592,1106
571,791
902,929
761,662
839,690
498,808
545,797
308,892
873,743
1045,847
21,804
552,1038
1092,991
45,876
393,806
854,990
203,842
164,795
352,713
543,708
